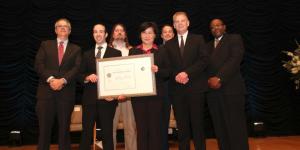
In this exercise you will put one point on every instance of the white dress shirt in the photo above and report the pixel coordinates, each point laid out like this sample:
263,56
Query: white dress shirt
184,37
65,43
65,46
104,46
121,46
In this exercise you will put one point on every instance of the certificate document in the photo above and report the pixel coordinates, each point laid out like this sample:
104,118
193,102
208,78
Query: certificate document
130,76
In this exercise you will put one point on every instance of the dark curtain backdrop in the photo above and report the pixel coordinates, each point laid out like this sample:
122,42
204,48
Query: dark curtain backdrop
268,27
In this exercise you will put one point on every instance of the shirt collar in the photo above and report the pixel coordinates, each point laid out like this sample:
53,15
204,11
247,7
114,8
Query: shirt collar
119,45
219,38
103,45
184,34
65,41
154,47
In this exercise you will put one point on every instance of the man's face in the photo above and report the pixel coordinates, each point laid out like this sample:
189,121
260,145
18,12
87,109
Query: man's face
62,29
148,36
167,33
99,34
217,28
181,23
119,33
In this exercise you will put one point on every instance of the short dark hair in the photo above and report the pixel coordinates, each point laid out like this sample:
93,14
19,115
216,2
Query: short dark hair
102,24
146,25
221,19
166,25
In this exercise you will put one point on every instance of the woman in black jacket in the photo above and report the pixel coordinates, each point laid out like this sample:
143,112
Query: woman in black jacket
148,109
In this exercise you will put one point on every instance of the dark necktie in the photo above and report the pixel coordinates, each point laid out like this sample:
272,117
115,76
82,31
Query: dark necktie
60,52
217,41
99,52
181,46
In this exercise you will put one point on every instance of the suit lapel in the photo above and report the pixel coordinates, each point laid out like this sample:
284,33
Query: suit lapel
92,57
176,48
216,52
107,52
66,54
211,47
54,51
220,42
187,46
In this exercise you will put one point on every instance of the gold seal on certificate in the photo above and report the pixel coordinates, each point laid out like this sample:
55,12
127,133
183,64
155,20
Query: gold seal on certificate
129,76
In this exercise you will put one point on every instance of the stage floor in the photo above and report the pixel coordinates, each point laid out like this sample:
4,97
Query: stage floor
267,143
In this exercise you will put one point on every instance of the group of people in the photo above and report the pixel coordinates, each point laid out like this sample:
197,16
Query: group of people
189,73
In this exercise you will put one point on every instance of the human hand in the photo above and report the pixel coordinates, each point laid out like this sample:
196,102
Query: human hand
109,99
56,84
91,78
154,68
182,78
121,98
214,82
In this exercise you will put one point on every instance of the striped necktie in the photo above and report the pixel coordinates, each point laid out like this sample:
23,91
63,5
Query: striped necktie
99,52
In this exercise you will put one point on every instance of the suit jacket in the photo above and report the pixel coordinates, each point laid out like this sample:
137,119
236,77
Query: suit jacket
46,65
225,62
194,61
88,67
162,75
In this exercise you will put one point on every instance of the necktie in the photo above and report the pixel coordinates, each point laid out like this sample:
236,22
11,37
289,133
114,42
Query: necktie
60,52
181,46
98,55
216,42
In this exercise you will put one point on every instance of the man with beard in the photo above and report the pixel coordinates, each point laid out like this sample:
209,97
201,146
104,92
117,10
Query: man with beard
119,41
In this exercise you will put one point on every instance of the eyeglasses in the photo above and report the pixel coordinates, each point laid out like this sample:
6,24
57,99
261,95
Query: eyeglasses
62,26
216,26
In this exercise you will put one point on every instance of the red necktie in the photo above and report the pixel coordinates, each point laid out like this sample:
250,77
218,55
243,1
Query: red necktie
60,52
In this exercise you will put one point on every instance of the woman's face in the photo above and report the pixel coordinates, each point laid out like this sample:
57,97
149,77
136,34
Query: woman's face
148,36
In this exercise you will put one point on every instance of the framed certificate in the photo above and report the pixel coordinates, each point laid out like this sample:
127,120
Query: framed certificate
130,76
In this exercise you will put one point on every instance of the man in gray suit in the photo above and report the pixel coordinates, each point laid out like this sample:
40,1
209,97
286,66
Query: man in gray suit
119,41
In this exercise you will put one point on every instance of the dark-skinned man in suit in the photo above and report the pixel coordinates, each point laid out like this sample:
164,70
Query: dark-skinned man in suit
225,97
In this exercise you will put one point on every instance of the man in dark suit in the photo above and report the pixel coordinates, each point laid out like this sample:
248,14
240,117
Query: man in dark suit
188,59
167,33
57,64
103,109
225,98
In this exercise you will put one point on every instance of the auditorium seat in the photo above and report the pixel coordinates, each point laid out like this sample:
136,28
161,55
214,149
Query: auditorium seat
76,122
76,119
